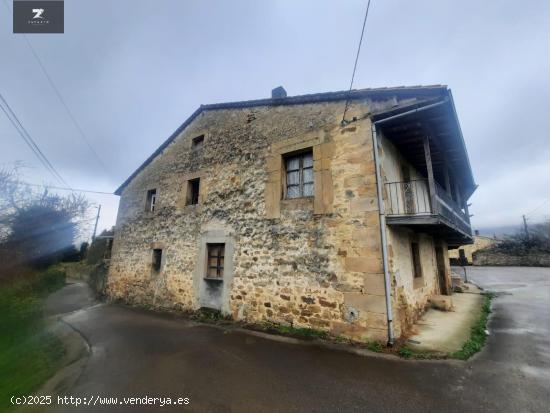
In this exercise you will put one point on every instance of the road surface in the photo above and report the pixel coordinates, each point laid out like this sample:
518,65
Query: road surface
136,353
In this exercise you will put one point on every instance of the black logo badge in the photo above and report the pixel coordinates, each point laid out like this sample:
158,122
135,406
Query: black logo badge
37,16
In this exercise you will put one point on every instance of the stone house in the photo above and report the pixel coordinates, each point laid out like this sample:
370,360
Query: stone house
272,209
464,254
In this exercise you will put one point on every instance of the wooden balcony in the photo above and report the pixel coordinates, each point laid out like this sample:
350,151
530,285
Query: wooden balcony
428,137
410,204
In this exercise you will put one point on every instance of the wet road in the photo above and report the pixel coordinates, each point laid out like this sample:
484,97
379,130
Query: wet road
137,354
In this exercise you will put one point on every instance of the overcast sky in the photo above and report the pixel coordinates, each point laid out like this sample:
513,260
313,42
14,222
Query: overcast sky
132,71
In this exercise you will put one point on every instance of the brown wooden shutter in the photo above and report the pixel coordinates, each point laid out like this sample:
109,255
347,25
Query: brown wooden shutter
203,190
273,187
322,158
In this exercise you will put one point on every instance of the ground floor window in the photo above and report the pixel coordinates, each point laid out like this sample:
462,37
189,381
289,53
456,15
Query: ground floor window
215,260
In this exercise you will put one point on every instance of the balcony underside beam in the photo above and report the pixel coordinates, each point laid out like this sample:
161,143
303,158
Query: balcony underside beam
434,225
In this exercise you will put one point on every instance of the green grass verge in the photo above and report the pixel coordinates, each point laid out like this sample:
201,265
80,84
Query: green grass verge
286,330
477,336
29,355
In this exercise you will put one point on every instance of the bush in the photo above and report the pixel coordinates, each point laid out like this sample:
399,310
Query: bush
538,241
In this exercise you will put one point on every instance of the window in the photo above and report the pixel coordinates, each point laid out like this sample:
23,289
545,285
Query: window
193,187
417,268
299,175
215,260
157,260
151,200
198,143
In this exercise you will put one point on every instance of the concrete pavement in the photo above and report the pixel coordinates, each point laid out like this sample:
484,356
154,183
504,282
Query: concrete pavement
446,331
136,353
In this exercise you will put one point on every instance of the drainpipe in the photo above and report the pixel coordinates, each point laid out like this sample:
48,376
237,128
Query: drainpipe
382,216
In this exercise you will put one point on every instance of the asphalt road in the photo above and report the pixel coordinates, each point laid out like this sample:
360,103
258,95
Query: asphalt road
136,354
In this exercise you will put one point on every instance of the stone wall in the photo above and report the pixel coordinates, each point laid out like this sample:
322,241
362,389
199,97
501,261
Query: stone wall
491,258
480,242
310,262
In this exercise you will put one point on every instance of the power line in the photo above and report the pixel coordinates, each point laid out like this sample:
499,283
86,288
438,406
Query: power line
69,189
356,60
30,141
539,207
58,94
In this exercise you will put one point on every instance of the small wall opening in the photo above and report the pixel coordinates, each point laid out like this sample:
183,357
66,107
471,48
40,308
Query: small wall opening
193,189
415,253
151,200
198,143
157,260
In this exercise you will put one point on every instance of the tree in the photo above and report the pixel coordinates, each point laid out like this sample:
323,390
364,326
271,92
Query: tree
37,228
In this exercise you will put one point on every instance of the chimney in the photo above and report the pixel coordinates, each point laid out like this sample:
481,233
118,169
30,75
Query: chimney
476,232
278,93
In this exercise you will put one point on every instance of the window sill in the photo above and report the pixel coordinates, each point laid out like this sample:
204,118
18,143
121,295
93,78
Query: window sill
303,203
212,279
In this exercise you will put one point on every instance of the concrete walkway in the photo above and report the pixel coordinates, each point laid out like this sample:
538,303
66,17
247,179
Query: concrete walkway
446,331
136,353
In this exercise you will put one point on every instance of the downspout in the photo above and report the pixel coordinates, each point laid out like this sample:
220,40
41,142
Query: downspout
382,216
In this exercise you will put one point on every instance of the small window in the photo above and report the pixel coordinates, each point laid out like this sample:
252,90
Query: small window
193,187
198,143
299,175
157,260
151,200
215,260
417,268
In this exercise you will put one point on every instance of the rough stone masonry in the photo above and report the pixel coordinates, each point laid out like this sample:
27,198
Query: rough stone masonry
312,261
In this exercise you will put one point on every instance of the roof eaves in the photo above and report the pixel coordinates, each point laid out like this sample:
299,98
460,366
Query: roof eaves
291,100
160,149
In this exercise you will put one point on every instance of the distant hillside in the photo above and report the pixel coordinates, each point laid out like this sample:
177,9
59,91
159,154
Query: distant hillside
499,231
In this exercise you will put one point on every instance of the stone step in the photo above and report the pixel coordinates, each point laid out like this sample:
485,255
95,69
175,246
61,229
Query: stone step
441,302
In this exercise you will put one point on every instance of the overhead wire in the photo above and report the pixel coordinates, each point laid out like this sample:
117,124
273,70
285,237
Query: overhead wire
63,103
68,189
539,207
17,124
356,60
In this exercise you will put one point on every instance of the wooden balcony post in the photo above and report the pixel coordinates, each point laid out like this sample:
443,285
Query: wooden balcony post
429,167
447,178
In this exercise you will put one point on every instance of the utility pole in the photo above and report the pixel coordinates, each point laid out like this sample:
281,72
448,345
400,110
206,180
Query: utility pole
525,227
96,220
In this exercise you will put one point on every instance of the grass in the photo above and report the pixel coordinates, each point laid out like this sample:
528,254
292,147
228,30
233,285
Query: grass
375,346
286,330
478,337
406,353
29,355
207,315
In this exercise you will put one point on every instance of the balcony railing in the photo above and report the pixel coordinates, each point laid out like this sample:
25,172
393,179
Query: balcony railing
449,209
412,198
408,198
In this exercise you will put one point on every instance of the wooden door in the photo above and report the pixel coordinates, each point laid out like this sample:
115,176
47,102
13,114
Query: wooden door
441,272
